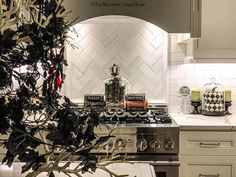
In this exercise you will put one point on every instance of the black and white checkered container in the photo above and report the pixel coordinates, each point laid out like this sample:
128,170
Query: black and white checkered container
213,103
213,96
213,99
213,108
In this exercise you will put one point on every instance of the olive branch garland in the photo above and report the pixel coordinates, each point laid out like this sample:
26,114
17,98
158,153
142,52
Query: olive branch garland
50,131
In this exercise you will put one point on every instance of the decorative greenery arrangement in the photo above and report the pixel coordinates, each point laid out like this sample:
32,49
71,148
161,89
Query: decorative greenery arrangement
41,126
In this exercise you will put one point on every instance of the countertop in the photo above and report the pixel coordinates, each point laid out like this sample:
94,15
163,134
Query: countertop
208,123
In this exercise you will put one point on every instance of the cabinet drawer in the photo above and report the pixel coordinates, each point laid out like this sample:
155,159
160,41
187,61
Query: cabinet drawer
207,166
207,143
205,170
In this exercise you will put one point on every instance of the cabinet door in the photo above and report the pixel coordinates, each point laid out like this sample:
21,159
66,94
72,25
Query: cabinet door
218,30
207,166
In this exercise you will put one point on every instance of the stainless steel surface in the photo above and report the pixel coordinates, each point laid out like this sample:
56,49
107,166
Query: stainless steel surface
143,138
166,171
169,144
142,145
154,143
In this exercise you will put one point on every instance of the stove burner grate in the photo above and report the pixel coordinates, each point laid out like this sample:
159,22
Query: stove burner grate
135,117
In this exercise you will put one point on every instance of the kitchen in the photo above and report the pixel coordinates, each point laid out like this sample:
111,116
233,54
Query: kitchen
206,143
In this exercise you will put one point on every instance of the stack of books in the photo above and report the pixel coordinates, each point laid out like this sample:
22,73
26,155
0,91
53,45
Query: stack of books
136,102
94,100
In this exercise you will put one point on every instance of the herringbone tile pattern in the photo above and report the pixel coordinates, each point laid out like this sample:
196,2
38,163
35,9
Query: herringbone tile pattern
136,47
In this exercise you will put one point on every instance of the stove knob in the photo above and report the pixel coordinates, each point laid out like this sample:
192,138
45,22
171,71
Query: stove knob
120,144
169,144
155,144
129,140
108,146
142,145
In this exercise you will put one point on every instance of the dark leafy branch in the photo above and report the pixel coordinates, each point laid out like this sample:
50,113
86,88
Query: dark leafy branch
33,115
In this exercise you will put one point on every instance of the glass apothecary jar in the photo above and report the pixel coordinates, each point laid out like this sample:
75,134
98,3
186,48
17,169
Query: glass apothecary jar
213,103
115,89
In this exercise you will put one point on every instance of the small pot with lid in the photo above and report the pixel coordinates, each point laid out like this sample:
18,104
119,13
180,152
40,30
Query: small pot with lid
213,103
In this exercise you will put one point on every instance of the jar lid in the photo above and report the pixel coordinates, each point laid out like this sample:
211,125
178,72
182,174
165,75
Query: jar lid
212,85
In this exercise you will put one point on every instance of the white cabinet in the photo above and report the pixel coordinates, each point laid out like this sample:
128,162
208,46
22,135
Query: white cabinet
218,35
2,149
210,170
207,166
207,154
207,143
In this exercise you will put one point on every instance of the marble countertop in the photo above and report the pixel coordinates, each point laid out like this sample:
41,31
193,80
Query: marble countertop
201,122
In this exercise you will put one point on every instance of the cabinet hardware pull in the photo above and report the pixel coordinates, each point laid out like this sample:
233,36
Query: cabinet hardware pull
202,175
205,144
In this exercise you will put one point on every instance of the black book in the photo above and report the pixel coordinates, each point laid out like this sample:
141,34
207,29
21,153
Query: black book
94,98
135,97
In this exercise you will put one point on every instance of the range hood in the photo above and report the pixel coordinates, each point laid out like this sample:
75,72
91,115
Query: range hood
173,16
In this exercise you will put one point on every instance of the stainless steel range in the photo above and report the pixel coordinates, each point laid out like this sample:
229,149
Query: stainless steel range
151,137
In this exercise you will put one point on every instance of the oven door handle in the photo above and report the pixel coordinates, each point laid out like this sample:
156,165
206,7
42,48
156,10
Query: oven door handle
167,163
161,163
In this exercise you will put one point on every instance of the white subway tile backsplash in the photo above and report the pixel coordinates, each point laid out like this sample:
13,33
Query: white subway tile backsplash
146,45
82,30
147,71
228,74
137,87
154,29
75,72
174,100
157,53
208,66
135,75
146,81
207,74
174,108
185,82
158,65
98,59
136,61
157,42
148,35
136,47
148,59
229,83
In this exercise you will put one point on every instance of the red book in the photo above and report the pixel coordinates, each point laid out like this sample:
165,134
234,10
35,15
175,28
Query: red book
136,104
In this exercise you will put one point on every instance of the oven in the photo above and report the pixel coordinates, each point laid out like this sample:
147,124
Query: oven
163,165
166,169
153,144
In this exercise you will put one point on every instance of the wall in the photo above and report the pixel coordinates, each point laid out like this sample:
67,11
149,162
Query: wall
138,47
165,14
89,64
195,75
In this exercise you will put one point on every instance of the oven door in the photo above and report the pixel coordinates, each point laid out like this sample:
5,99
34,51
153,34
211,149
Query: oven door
166,168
